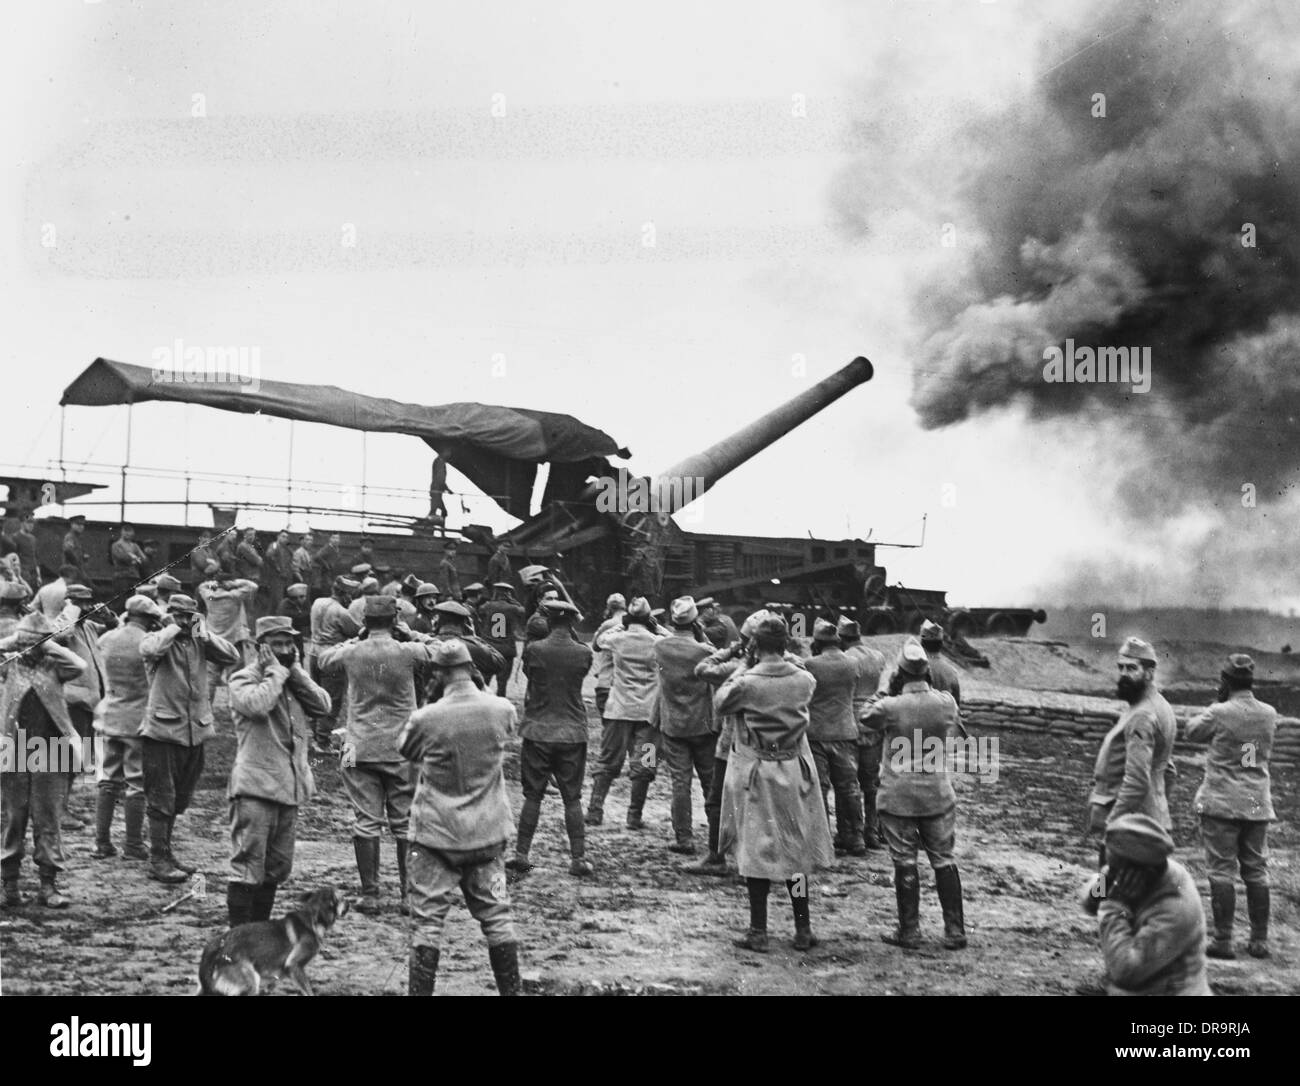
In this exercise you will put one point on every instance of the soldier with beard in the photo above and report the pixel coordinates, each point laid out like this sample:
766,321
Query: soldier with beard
1135,764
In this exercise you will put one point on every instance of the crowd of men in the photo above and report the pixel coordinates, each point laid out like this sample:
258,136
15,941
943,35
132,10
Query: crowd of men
803,750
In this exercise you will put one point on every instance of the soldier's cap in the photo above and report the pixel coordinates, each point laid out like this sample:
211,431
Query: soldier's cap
657,612
772,626
825,632
536,627
708,601
369,587
1139,839
616,599
143,605
503,584
450,653
532,574
379,606
361,569
451,607
412,582
559,607
477,586
931,631
750,626
683,611
1134,648
182,603
426,588
913,660
1240,666
31,629
12,590
298,589
270,624
380,567
847,628
639,607
345,584
150,590
167,583
79,592
80,518
212,566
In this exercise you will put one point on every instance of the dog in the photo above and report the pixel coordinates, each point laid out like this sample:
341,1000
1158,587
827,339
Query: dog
250,955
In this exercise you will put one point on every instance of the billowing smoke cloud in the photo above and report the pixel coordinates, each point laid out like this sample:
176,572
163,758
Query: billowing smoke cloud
1171,222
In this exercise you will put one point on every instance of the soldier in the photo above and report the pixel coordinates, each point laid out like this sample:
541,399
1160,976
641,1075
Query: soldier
448,574
331,624
381,674
177,723
366,586
120,772
203,559
943,676
603,667
365,555
73,553
128,561
772,817
78,628
452,621
302,558
499,566
12,595
554,734
629,729
295,608
167,586
278,569
227,600
25,547
1148,912
1235,803
323,563
460,819
685,716
426,599
474,597
710,615
871,666
272,701
833,735
1135,763
32,702
916,801
503,618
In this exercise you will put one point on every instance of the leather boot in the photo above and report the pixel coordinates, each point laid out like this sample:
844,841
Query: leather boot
263,901
714,864
239,902
13,896
907,891
947,881
367,854
105,804
640,789
402,848
596,805
135,849
529,814
161,866
870,828
1223,907
1257,907
188,869
48,895
579,865
422,970
505,967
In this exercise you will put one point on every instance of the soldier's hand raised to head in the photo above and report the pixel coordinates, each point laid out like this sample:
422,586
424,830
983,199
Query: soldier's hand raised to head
265,657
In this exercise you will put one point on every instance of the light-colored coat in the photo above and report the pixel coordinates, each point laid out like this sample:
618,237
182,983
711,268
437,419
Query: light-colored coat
1240,733
126,684
772,820
179,710
1160,948
381,675
272,710
46,676
458,744
914,781
634,686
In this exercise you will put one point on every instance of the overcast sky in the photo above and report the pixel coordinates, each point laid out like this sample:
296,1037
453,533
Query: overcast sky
518,242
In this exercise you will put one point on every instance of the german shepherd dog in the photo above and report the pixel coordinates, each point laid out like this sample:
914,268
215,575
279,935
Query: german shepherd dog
244,958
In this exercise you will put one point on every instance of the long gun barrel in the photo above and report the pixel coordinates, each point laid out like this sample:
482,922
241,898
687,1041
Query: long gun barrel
688,479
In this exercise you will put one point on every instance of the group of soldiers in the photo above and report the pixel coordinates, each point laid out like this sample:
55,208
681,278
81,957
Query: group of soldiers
396,679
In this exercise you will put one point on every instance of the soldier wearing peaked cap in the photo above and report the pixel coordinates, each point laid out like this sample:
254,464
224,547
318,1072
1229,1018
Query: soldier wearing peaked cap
1235,803
503,618
452,621
1135,763
871,667
272,701
1148,912
382,674
120,770
833,735
916,800
685,716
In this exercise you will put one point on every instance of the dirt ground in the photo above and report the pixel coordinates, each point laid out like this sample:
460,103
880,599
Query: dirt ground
639,926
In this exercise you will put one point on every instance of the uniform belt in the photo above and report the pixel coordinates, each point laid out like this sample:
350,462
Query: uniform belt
775,754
